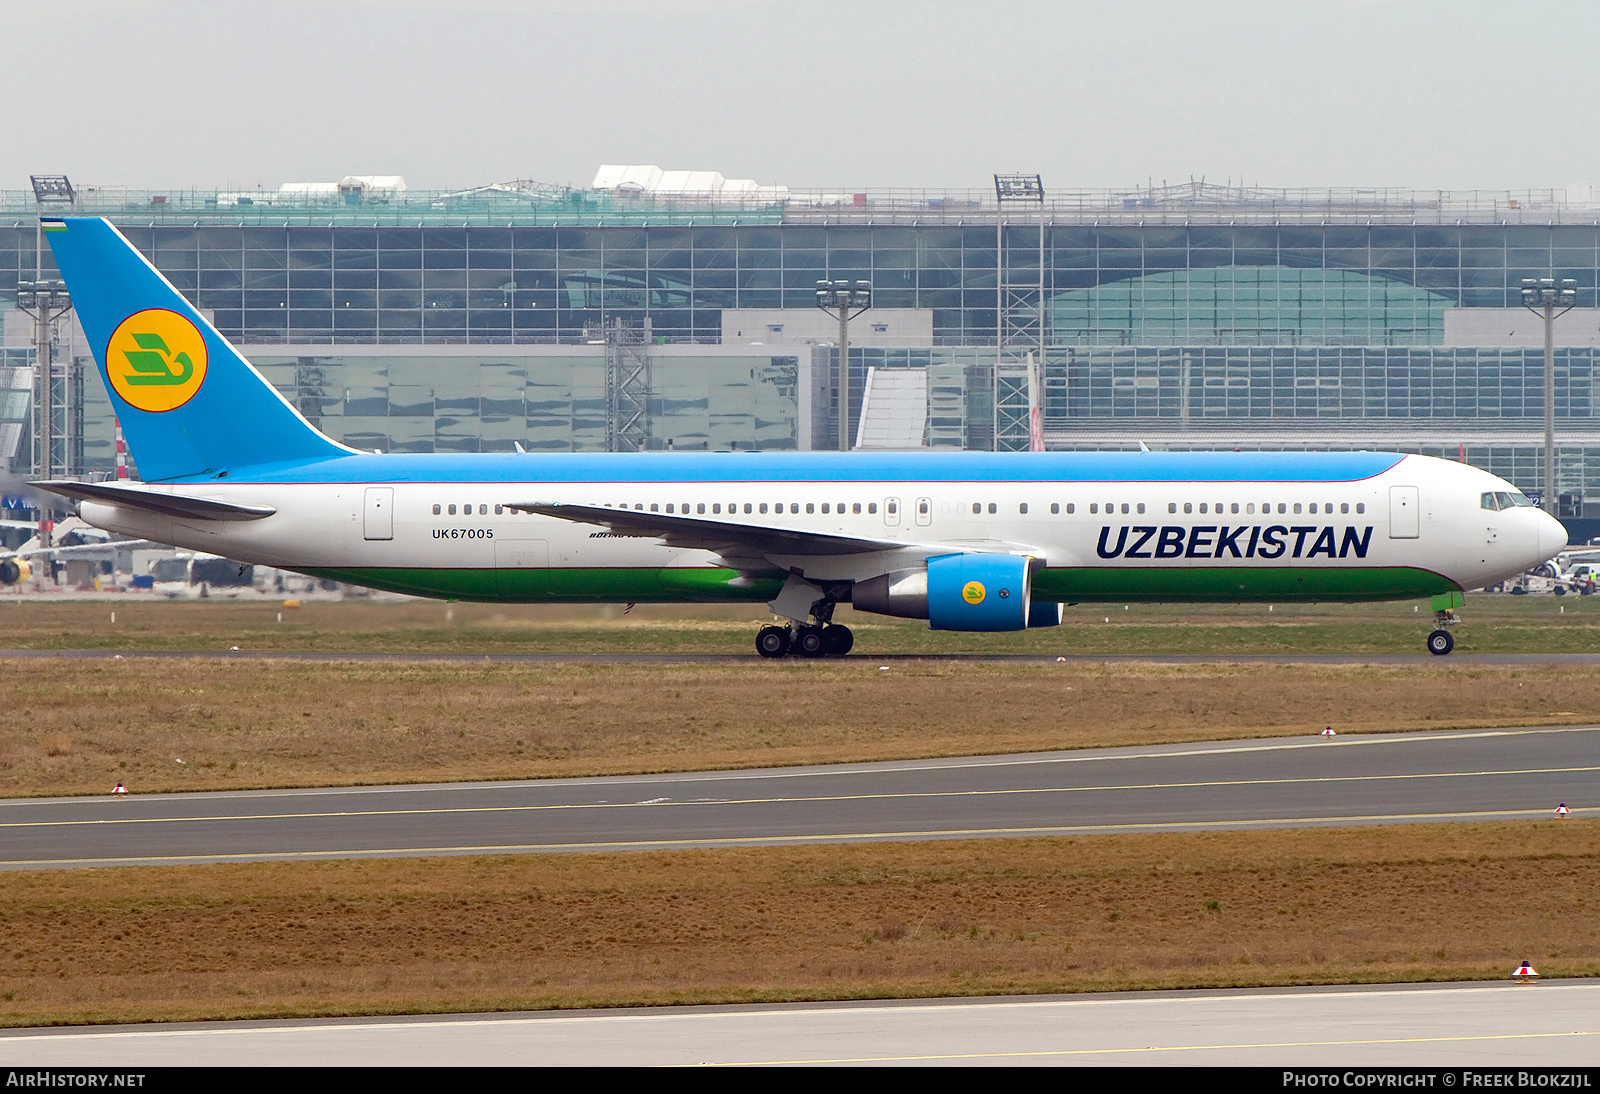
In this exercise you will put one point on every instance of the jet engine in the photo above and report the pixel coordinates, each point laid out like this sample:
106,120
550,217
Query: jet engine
14,571
961,592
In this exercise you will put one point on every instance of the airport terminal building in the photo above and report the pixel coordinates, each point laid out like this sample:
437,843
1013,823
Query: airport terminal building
677,310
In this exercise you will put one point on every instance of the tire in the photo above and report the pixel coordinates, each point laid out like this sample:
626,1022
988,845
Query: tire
1519,591
772,641
1440,643
809,642
1561,590
836,640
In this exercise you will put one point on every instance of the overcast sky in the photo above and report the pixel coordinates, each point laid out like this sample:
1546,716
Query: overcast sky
816,94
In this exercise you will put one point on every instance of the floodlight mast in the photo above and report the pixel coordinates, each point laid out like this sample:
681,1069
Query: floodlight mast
844,300
1543,296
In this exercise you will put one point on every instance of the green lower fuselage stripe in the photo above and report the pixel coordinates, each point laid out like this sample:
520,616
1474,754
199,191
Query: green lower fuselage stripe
645,585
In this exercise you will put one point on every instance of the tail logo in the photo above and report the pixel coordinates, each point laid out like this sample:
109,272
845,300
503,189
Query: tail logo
156,360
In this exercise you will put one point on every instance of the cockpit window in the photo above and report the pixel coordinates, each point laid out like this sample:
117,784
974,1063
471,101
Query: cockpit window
1501,499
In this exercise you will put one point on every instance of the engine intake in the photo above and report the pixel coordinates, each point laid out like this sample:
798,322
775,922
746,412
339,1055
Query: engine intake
14,571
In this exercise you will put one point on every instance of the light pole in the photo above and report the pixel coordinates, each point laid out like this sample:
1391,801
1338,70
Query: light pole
1543,297
844,300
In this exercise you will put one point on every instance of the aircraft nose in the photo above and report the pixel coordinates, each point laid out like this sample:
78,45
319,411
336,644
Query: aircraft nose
1552,536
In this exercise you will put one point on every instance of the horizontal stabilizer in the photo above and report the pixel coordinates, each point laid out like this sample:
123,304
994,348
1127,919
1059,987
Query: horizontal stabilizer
712,535
171,505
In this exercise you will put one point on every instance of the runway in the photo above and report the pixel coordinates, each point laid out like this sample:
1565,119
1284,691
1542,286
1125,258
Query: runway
1470,775
1415,1025
1462,660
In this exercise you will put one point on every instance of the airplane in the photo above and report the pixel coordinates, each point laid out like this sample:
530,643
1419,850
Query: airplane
968,541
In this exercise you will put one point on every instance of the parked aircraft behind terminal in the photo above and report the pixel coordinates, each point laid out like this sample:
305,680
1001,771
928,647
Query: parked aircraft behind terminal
968,541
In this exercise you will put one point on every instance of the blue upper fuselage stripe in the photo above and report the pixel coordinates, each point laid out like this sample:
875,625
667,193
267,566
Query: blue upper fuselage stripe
827,467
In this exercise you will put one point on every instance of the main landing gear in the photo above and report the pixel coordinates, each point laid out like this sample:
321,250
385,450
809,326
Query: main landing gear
805,640
813,635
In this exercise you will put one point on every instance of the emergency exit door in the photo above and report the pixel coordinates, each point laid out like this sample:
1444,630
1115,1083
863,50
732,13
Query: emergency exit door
1403,521
378,513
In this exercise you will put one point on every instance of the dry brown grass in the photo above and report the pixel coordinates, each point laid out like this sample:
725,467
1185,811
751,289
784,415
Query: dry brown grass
874,920
77,727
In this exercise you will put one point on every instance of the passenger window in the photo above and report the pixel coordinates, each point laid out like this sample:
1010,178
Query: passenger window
893,506
1361,507
1202,507
654,508
1284,509
1071,507
483,509
499,510
762,507
977,507
1297,507
716,507
992,507
824,507
669,507
855,507
922,507
638,506
1249,508
1140,507
1313,507
452,510
1124,507
747,507
1094,507
1023,508
701,508
810,508
1055,508
840,508
872,507
1172,507
436,507
1188,508
1344,507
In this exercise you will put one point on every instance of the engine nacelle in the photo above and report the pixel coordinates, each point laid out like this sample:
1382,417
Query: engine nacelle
964,592
978,592
14,571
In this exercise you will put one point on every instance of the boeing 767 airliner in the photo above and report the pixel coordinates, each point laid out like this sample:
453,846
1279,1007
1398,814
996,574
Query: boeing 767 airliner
967,541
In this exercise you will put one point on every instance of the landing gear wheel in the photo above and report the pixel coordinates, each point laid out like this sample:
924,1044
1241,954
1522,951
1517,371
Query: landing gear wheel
772,641
836,640
1440,643
808,643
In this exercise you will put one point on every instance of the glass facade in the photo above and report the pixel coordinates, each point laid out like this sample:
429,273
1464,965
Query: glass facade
476,321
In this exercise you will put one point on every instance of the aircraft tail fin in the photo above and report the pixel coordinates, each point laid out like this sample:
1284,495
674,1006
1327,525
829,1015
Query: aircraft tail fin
189,403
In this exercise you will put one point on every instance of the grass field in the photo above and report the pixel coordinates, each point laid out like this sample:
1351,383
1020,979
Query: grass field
1434,902
1493,624
77,727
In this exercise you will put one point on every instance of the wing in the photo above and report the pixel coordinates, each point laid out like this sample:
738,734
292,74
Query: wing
171,505
712,535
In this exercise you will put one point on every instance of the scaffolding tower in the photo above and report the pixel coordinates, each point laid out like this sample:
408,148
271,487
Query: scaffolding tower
1020,316
628,387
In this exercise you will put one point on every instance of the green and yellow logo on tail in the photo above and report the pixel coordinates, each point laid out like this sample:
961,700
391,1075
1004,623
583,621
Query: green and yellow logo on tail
156,360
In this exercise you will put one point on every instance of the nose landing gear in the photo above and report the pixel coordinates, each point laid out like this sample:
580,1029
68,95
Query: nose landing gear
1440,641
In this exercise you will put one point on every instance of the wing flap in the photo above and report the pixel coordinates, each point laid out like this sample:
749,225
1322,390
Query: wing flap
711,535
171,505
